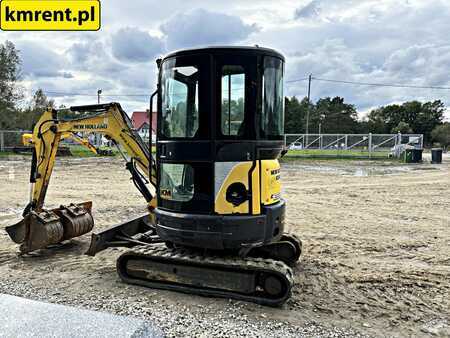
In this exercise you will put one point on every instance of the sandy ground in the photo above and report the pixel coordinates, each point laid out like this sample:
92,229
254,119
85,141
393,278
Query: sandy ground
376,256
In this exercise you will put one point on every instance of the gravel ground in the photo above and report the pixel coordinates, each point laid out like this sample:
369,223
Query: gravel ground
375,262
178,319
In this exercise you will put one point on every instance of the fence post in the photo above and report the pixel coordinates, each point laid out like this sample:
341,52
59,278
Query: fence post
2,140
370,145
346,141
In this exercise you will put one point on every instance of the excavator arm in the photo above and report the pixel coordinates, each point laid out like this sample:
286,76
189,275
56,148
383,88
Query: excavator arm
41,227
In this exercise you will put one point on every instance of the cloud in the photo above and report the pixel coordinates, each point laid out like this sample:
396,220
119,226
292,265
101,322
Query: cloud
200,27
367,41
135,45
389,41
94,57
311,10
41,62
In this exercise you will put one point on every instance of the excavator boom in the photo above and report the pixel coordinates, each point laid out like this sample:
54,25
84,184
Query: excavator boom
41,227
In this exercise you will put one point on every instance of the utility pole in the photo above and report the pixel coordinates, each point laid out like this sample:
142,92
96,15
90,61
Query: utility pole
98,95
307,111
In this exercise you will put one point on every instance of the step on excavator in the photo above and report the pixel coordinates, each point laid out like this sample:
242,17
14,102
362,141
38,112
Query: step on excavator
215,225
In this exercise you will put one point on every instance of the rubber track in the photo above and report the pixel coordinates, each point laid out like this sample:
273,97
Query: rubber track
184,256
298,244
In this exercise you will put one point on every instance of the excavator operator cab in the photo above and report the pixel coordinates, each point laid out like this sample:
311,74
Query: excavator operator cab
219,136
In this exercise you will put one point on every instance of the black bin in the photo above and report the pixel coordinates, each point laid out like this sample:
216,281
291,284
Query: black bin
417,157
436,155
413,155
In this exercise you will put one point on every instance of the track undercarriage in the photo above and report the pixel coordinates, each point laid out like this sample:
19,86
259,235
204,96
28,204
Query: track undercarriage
260,274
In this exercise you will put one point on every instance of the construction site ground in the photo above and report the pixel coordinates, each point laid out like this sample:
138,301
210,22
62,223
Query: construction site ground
376,261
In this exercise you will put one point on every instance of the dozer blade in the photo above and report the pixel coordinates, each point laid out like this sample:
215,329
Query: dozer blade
138,231
38,230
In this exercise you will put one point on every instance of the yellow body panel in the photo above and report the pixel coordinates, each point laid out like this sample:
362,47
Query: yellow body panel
266,190
256,191
270,182
238,174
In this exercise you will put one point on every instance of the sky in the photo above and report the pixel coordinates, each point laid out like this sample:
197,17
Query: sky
403,42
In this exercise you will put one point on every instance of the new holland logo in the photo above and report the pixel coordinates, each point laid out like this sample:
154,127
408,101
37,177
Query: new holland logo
91,126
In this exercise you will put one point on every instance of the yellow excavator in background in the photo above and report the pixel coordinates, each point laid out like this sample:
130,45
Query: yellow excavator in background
215,225
27,140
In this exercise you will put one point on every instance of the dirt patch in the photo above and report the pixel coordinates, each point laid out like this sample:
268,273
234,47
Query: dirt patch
376,250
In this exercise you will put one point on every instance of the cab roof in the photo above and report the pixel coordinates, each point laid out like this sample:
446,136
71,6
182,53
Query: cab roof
256,50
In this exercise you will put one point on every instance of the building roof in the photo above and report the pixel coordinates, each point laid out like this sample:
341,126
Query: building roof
138,118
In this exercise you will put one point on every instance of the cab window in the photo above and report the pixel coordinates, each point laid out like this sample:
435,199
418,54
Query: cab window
179,95
233,100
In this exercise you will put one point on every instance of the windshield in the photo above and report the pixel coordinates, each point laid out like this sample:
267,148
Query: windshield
179,93
272,115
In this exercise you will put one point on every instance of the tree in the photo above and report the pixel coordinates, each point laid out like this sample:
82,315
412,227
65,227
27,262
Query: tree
430,116
421,117
382,120
295,115
441,134
28,117
402,127
335,116
9,90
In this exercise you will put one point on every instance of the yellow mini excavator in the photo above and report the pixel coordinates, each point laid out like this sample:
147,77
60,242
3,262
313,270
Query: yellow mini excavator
215,225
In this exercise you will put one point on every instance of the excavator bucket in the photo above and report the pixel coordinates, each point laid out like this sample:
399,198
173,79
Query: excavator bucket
38,230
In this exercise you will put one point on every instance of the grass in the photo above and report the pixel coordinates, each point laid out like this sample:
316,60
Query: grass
80,151
76,150
336,154
6,154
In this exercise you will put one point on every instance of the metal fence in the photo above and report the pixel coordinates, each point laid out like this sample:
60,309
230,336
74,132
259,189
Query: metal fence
340,144
351,144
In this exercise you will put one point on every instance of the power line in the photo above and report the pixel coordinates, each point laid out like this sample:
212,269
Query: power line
67,94
288,81
297,80
380,84
84,94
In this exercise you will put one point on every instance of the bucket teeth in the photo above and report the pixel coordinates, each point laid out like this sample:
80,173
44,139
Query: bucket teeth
39,230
